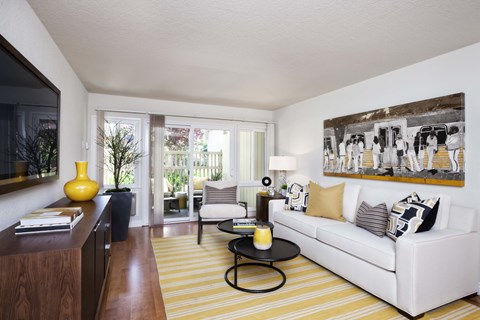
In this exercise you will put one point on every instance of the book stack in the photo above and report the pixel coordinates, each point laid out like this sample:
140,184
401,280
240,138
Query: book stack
50,220
244,223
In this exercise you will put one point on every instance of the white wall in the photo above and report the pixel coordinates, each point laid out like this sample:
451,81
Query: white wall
22,28
300,126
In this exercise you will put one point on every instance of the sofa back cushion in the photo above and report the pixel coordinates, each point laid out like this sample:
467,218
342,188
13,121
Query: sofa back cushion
350,198
326,202
390,195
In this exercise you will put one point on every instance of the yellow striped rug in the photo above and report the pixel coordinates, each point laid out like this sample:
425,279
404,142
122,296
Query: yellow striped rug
193,287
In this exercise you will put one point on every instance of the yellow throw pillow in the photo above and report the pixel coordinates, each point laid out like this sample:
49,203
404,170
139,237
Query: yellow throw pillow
326,202
197,183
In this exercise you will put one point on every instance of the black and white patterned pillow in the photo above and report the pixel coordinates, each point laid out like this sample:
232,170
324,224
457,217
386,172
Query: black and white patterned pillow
296,201
220,196
429,221
295,187
413,197
407,217
373,219
296,198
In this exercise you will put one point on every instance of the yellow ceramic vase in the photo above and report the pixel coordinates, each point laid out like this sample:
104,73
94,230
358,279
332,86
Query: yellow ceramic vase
81,188
262,238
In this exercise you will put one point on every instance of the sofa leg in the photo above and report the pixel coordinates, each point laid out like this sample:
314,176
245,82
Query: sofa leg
406,315
199,232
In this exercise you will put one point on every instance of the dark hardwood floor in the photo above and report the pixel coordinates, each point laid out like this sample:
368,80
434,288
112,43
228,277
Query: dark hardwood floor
132,290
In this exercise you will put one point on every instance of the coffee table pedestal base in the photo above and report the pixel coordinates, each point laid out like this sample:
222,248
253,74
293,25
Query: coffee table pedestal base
235,278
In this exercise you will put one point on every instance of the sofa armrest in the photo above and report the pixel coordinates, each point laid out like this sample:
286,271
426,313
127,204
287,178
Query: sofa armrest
274,206
436,267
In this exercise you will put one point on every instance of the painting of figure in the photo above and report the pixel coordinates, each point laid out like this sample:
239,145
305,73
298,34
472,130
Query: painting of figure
417,142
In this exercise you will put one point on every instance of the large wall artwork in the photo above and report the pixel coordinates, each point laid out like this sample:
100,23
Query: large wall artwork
418,142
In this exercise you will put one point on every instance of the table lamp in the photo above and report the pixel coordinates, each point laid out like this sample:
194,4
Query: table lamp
282,164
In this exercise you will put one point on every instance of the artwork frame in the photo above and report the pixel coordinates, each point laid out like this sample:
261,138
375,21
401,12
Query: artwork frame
418,142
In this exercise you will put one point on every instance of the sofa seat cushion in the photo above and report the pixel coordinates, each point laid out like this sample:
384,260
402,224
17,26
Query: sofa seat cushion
359,243
222,211
302,223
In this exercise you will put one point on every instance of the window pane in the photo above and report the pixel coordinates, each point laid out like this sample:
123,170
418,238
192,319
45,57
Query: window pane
211,156
245,158
259,155
129,177
252,155
249,194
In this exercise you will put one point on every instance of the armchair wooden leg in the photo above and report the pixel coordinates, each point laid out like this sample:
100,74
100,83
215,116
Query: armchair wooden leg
200,230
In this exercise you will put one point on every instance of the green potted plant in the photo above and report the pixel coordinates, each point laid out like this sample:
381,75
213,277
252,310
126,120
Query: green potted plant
121,156
283,189
216,176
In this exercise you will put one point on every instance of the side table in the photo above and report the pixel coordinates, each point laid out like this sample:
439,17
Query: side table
262,204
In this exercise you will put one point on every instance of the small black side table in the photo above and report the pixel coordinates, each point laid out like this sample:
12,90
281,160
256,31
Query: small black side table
281,250
262,204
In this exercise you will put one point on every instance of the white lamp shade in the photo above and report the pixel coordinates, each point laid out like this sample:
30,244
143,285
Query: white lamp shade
282,163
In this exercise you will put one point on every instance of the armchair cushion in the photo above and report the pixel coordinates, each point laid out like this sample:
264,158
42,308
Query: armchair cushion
222,211
220,196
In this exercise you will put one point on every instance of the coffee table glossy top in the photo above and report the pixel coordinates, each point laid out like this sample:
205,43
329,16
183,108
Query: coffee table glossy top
227,226
281,250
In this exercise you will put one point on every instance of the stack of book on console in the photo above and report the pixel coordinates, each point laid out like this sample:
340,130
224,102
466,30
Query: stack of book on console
244,223
50,220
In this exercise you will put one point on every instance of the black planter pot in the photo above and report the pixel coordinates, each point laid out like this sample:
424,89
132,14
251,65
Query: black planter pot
121,209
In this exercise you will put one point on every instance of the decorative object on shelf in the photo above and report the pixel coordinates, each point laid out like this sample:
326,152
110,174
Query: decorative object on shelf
282,164
262,237
247,223
82,188
283,189
47,227
417,142
51,216
271,191
266,181
121,156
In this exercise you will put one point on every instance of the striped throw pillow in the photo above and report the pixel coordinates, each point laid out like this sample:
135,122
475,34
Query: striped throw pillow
221,196
373,219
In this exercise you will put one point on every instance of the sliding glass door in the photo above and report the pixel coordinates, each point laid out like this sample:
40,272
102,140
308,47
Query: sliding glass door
192,154
176,172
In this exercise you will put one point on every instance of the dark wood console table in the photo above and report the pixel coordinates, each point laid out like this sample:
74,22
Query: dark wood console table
57,275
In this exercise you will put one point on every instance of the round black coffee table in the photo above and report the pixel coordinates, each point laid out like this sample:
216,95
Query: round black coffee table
281,250
227,226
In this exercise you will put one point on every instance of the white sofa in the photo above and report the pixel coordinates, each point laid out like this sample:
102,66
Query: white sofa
417,273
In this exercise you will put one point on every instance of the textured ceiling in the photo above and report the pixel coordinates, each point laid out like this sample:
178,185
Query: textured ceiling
261,54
